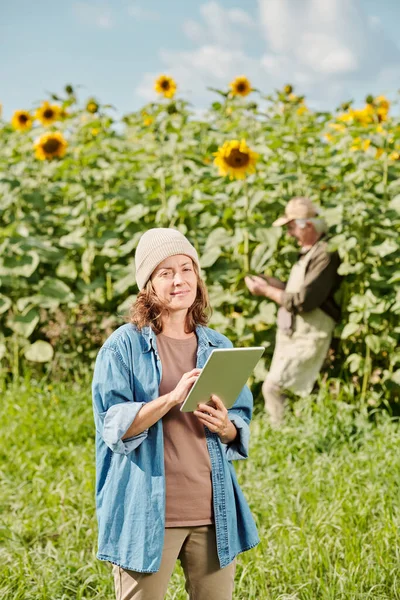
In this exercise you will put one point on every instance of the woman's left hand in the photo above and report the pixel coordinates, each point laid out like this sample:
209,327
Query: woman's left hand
216,419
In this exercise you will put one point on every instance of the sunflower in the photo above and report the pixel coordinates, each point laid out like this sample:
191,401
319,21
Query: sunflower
92,106
302,109
50,145
21,120
48,113
147,119
359,144
337,126
382,102
240,86
166,86
235,159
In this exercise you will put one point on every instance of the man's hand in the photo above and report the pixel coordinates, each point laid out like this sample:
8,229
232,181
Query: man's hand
216,419
276,283
257,285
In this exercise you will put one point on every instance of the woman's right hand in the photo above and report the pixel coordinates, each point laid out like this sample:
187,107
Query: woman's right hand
178,395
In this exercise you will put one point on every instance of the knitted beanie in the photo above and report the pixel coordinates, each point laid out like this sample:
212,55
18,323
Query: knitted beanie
156,245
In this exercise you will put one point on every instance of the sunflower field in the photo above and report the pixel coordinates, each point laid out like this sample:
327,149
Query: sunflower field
79,185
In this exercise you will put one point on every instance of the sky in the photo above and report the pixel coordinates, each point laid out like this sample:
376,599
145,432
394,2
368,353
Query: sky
329,50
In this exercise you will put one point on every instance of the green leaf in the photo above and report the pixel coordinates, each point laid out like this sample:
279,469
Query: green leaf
355,362
395,203
210,256
349,329
134,214
24,324
220,92
219,237
3,350
267,312
39,351
261,254
387,247
76,239
347,269
268,235
67,270
5,303
55,288
373,342
23,266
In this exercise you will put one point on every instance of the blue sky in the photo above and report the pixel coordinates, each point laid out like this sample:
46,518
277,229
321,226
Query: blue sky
331,50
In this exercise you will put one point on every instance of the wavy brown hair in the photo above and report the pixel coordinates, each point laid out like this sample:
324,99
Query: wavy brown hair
148,308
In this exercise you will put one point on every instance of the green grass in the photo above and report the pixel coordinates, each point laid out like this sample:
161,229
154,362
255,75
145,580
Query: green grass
324,491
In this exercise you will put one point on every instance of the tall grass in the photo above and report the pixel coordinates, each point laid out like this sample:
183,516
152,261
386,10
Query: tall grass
324,490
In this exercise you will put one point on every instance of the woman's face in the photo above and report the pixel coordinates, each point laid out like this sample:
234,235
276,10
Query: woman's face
175,282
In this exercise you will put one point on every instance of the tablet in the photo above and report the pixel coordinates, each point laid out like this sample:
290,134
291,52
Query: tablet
224,374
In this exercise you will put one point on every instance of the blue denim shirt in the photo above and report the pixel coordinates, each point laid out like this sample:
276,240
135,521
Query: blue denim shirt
130,482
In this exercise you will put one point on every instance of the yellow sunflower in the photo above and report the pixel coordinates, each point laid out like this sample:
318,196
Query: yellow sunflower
147,119
92,106
337,126
50,145
166,86
382,102
240,86
359,144
235,159
48,113
21,120
302,109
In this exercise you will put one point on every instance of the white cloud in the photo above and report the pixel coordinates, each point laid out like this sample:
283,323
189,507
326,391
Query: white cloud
99,16
327,49
239,16
220,26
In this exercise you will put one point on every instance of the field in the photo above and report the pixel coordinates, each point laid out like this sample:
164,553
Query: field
324,491
78,187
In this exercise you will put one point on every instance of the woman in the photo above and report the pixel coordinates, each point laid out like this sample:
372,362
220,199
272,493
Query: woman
165,487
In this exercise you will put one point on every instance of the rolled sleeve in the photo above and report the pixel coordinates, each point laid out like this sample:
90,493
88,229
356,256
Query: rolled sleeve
239,448
240,415
113,402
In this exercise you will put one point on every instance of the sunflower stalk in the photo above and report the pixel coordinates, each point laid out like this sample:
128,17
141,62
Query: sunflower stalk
164,200
246,244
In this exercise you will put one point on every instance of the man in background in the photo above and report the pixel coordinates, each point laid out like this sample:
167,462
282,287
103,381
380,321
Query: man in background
308,311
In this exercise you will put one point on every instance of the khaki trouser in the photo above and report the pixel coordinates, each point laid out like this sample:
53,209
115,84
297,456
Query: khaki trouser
196,549
275,402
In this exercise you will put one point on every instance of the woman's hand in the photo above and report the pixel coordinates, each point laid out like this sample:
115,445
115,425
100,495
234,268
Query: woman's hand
216,419
178,395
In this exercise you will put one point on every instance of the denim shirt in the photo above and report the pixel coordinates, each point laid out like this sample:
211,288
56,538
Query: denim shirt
130,480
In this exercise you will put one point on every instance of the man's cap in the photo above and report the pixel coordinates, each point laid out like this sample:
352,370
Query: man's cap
297,208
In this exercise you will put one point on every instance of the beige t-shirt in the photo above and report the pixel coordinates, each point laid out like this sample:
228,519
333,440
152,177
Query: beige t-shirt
186,457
